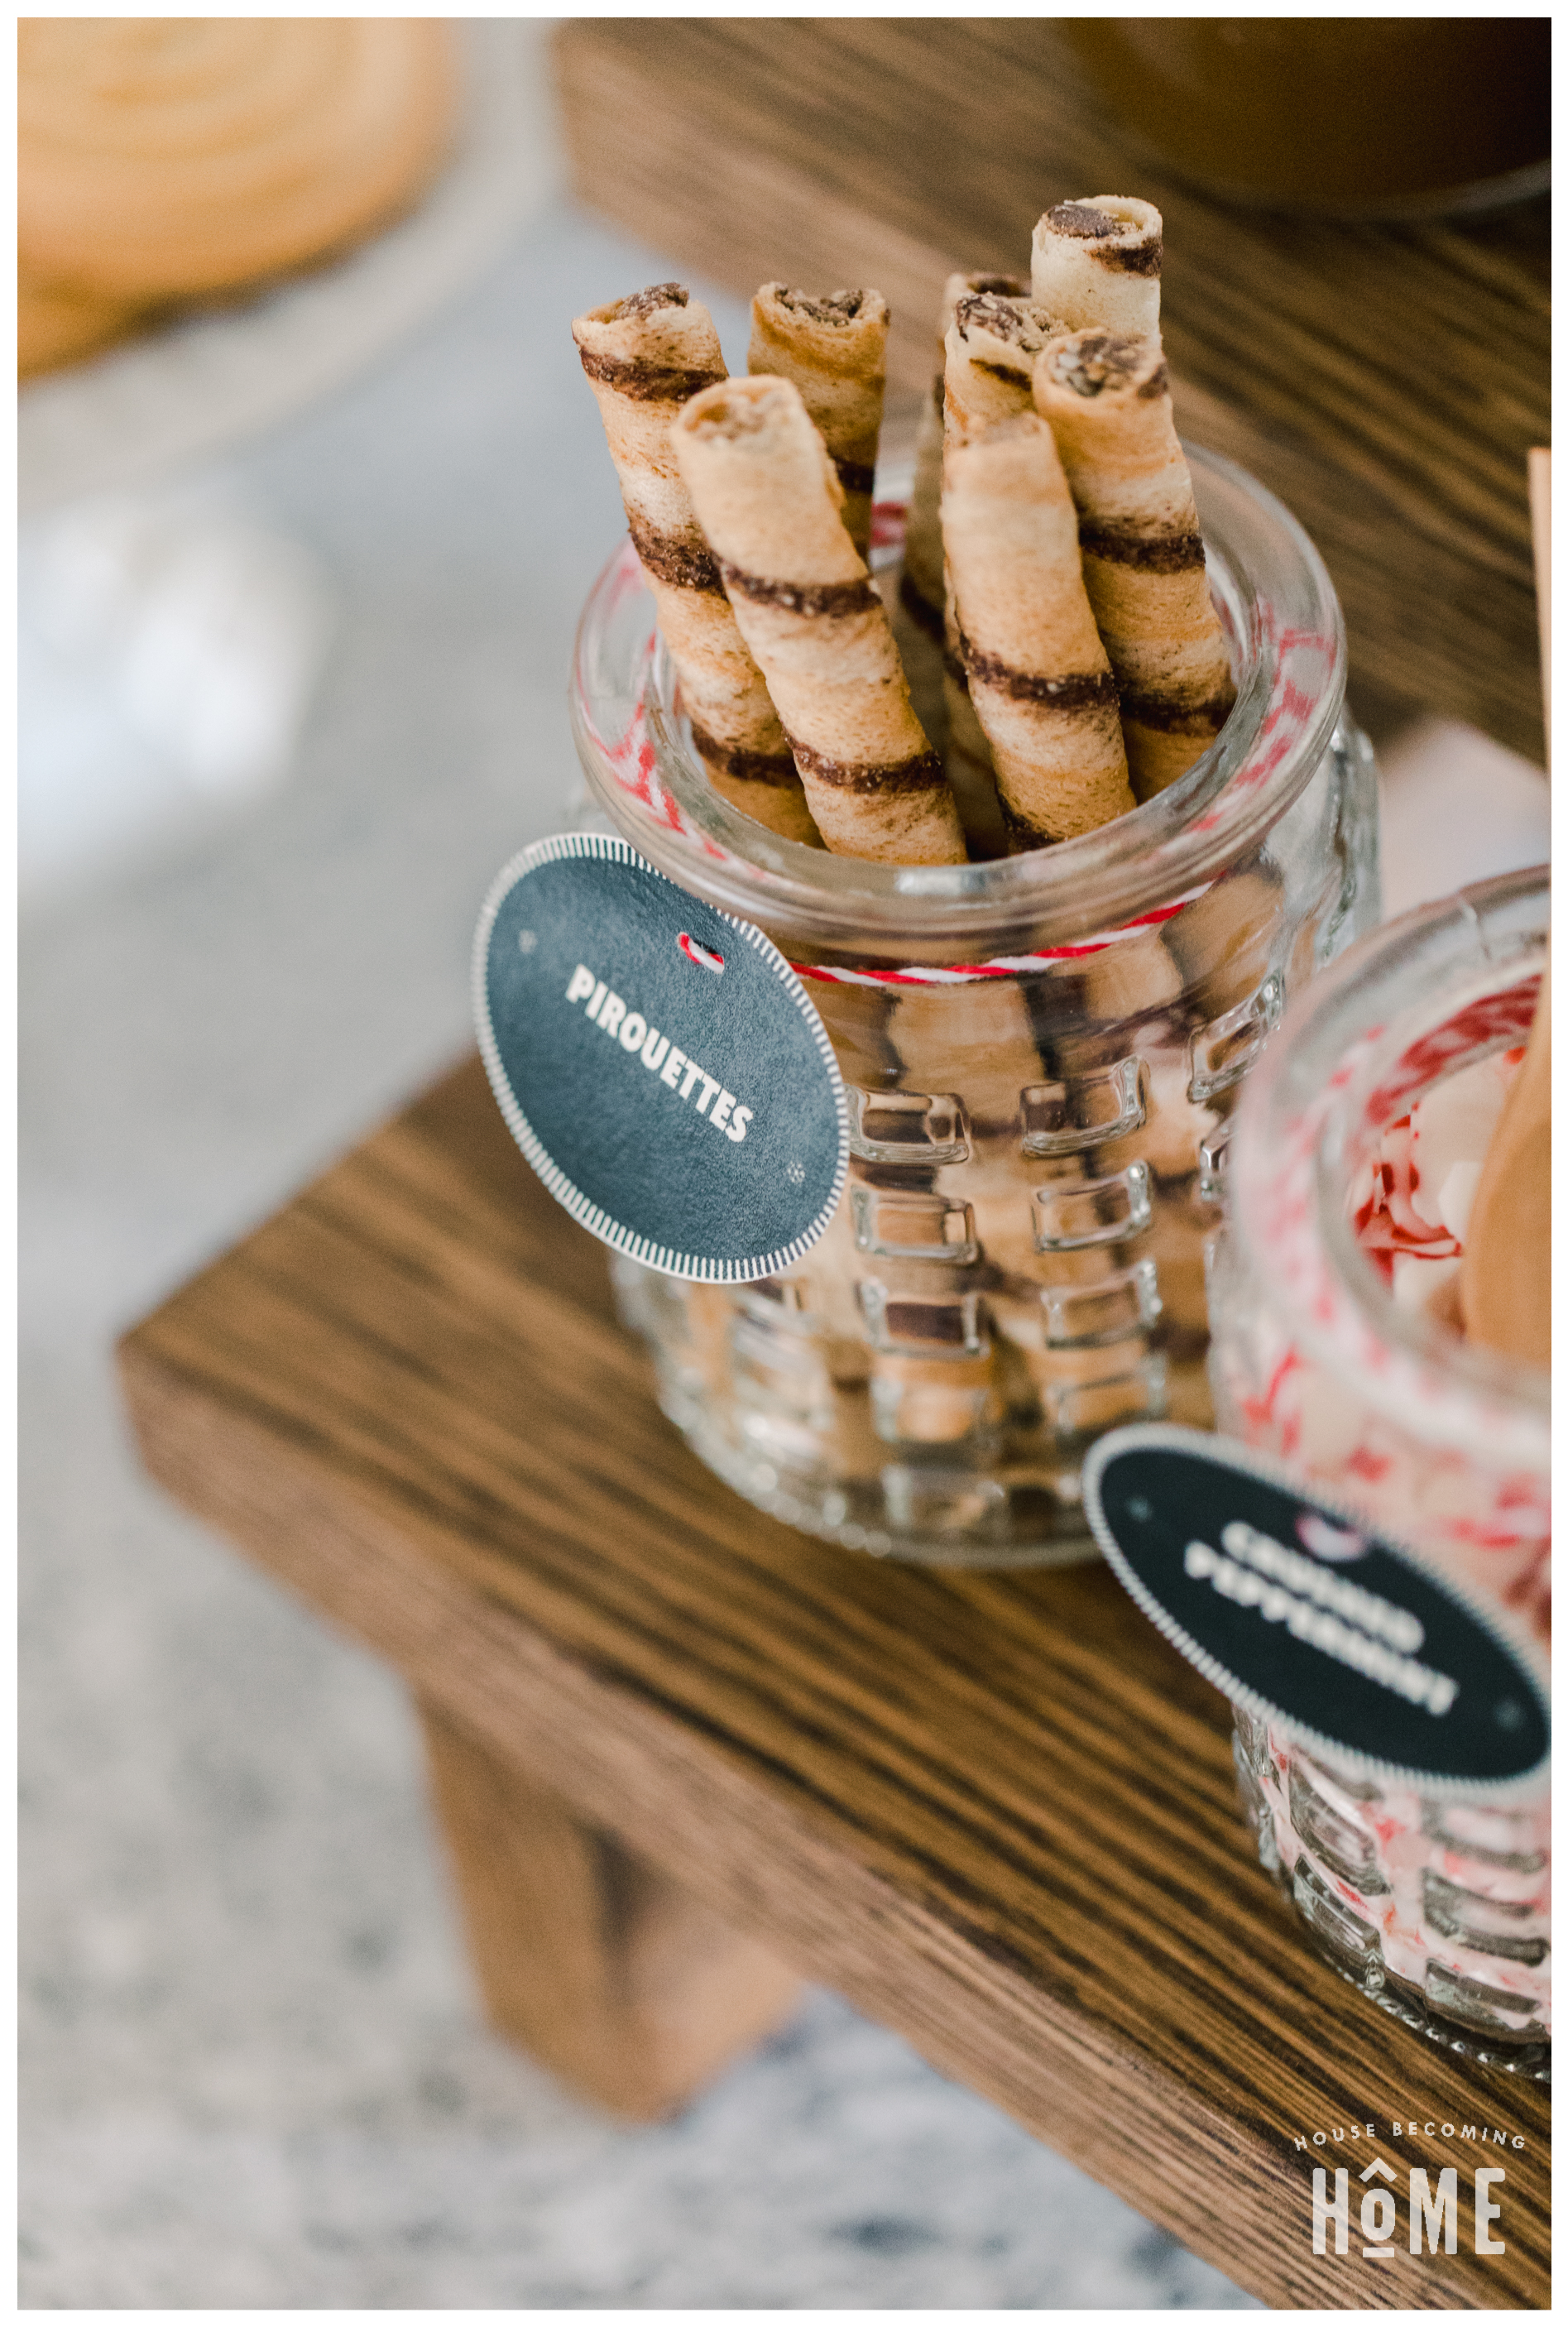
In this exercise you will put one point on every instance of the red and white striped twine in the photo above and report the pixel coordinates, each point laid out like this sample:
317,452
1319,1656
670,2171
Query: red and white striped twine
1006,965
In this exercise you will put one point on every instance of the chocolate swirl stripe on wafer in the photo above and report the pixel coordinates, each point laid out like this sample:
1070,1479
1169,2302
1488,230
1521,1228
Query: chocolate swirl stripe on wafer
1039,679
834,350
645,357
769,501
646,383
922,771
1097,261
1107,398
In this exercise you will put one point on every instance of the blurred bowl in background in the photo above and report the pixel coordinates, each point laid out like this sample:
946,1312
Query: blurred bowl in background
166,159
208,379
1404,116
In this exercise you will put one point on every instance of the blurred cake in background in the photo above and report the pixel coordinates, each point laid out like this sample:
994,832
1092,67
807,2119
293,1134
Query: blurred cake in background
166,162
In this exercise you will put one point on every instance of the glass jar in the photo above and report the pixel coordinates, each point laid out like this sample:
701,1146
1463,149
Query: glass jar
1040,1052
1437,1909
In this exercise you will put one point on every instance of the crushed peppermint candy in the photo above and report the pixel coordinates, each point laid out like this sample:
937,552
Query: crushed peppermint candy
1410,1202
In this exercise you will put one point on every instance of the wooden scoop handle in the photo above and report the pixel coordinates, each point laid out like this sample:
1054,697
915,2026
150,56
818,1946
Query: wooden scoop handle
1541,527
1505,1279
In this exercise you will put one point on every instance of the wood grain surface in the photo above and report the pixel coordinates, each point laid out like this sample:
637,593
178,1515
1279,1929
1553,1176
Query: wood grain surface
995,1812
1386,381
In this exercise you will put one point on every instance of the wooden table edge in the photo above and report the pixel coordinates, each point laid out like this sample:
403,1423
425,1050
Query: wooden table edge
621,1760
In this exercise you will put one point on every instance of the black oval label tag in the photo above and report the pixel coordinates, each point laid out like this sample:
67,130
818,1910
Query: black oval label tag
1293,1607
659,1063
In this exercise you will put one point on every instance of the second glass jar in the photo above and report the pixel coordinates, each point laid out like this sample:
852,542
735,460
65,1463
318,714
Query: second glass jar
1435,1904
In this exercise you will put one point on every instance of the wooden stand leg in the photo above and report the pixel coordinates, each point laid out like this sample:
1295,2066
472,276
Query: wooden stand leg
607,1972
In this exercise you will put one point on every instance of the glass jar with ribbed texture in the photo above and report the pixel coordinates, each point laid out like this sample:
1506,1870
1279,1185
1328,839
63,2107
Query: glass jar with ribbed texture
1437,1908
1041,1055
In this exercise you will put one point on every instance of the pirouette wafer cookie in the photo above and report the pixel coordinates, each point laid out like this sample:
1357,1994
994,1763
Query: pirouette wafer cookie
1038,678
1107,398
769,501
920,623
162,157
834,349
1097,261
644,357
921,588
989,358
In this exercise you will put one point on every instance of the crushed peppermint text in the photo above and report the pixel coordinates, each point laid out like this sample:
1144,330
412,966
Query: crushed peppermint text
1355,1627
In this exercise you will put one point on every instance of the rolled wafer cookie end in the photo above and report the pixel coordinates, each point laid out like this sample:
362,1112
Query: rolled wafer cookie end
1097,260
1106,395
769,501
636,304
833,348
1005,328
964,286
650,345
991,347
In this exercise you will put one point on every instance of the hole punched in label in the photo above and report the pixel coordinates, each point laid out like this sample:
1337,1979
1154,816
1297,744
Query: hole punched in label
907,1126
1219,1053
706,957
1074,1215
1062,1118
